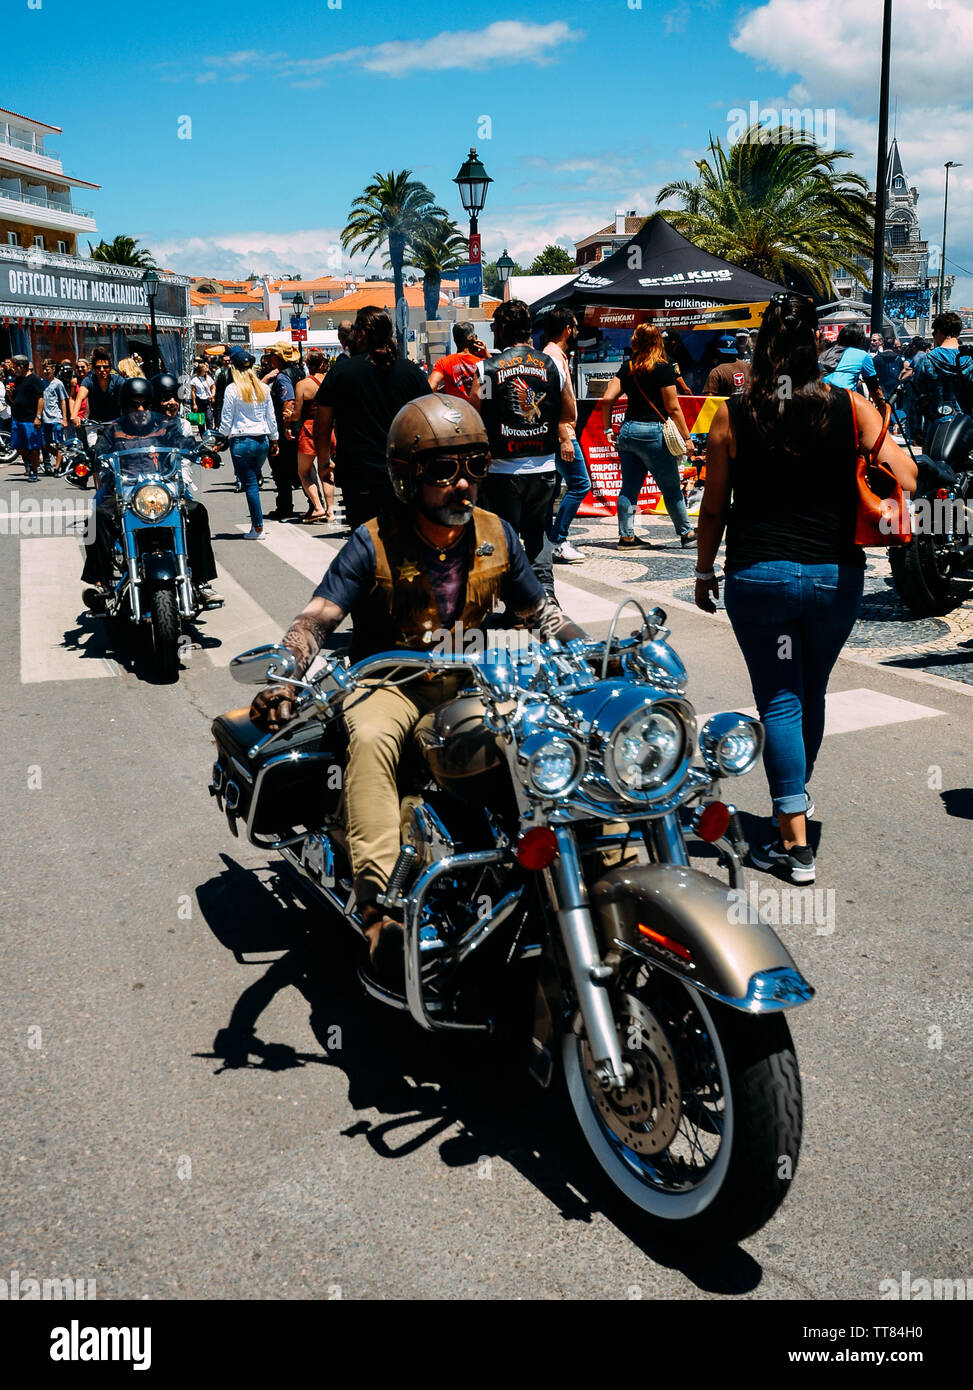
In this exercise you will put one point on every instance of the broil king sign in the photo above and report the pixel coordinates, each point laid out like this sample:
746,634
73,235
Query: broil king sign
81,289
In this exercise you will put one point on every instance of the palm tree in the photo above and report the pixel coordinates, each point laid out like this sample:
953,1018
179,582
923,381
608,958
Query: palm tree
124,250
436,245
774,204
388,213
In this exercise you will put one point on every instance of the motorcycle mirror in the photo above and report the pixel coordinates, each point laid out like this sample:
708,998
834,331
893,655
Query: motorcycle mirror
262,664
208,441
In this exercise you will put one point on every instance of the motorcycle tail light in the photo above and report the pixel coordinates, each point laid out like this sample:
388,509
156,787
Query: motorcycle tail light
713,821
941,494
81,470
537,848
666,942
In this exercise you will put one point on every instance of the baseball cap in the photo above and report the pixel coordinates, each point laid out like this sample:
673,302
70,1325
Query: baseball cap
241,359
727,346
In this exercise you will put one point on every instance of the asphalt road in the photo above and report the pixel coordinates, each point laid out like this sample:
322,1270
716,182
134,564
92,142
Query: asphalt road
200,1102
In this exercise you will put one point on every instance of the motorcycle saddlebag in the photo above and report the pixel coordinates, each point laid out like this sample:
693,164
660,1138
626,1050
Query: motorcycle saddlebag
301,786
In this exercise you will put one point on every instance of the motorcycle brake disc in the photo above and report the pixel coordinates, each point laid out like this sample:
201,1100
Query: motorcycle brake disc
645,1116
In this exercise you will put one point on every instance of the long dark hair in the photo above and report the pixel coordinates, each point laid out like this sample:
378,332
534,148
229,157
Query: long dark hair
786,398
376,327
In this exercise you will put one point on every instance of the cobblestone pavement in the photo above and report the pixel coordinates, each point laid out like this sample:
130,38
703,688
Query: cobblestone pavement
885,633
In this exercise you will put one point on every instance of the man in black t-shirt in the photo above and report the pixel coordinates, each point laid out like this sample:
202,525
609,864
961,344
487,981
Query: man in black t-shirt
359,398
100,389
26,411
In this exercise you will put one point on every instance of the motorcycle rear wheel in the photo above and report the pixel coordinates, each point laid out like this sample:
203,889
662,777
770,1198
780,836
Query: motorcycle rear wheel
921,581
706,1140
165,633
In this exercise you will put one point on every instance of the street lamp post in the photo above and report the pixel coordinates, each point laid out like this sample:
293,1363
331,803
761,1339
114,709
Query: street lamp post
881,201
298,304
950,164
473,182
151,282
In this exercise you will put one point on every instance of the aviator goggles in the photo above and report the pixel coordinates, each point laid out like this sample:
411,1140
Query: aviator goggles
440,470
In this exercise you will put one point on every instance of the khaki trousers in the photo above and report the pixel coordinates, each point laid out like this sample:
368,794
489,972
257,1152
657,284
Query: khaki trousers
379,721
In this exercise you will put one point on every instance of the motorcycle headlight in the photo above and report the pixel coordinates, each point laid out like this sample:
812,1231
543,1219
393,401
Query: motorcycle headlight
645,750
550,765
151,501
731,744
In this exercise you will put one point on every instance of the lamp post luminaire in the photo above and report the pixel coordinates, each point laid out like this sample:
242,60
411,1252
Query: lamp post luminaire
298,305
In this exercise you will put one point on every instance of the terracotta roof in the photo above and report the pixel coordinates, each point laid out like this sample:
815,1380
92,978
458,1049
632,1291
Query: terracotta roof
263,325
382,295
19,117
326,282
196,298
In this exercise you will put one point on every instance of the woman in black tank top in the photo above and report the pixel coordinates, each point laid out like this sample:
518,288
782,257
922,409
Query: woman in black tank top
780,478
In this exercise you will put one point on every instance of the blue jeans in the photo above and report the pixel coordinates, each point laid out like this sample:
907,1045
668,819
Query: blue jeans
575,474
791,622
248,452
640,451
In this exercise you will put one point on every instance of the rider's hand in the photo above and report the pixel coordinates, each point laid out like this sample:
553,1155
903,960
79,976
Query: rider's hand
706,591
273,708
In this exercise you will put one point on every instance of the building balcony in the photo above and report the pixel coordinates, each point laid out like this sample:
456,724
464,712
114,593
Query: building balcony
24,152
41,212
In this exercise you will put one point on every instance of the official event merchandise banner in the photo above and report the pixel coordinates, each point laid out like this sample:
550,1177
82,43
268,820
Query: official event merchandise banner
601,457
87,289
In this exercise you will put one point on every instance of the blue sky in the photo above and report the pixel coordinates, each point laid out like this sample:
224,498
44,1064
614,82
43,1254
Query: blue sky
575,109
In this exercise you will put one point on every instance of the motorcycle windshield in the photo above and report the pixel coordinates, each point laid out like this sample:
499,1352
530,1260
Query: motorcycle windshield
132,466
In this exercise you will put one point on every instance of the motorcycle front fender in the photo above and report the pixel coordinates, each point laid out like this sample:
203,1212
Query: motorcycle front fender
689,924
159,567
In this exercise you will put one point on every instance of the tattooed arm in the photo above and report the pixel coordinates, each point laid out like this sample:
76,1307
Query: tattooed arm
548,621
305,638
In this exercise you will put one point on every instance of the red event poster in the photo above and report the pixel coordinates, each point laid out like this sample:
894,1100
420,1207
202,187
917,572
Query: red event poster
602,459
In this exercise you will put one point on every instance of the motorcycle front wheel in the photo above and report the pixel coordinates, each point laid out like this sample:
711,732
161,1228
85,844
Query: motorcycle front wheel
705,1139
165,633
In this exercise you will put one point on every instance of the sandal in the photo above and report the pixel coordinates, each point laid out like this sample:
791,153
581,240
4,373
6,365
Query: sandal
310,517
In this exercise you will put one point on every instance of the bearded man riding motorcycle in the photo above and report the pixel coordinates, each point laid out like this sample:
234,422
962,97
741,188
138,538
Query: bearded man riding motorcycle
150,413
428,570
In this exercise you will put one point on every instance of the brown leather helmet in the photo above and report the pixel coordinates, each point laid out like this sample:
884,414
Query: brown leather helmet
430,424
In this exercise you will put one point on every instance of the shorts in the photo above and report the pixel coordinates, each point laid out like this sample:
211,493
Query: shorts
53,433
25,435
305,440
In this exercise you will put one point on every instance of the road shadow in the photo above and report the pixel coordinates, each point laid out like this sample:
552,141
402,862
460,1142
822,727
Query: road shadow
421,1084
958,802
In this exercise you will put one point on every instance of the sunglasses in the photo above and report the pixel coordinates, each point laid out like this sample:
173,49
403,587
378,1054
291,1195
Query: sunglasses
444,469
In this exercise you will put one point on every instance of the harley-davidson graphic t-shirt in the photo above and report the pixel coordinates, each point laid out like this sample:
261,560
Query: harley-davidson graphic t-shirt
520,398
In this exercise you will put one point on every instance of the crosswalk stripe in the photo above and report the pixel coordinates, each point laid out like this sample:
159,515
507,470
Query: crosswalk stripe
239,625
310,555
50,604
847,711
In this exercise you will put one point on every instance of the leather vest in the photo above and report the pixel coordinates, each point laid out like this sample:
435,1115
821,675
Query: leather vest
400,609
521,403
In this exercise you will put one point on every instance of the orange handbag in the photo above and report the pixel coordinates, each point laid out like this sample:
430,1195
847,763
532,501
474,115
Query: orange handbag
883,514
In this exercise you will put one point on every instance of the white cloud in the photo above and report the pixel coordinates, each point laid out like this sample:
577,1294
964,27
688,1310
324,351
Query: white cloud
834,48
498,44
312,251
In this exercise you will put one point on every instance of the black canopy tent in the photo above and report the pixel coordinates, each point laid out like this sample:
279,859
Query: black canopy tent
658,269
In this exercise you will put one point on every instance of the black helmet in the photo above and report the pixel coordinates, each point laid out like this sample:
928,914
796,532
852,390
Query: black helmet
164,387
135,391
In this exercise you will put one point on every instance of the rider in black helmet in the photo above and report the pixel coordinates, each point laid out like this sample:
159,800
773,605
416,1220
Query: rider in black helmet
150,411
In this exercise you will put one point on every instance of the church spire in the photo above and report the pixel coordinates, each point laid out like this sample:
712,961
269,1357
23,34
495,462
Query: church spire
894,165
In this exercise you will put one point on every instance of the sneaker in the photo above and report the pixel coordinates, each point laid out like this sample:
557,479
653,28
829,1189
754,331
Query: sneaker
688,539
625,542
567,554
254,535
796,862
32,477
808,813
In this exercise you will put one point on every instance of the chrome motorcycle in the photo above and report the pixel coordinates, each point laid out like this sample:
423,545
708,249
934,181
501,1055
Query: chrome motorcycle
151,584
941,510
546,831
